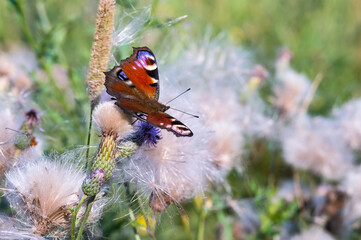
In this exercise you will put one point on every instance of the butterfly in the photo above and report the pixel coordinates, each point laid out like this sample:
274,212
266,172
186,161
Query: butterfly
135,86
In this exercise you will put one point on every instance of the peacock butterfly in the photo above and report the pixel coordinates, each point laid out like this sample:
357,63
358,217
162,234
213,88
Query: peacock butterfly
134,85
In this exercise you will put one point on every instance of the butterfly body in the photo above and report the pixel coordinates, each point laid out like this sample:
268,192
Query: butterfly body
135,86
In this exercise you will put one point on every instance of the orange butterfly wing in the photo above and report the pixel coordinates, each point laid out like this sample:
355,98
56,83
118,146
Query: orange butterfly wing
142,70
166,121
134,84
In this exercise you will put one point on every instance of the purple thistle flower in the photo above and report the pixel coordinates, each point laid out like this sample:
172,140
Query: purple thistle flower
33,119
147,133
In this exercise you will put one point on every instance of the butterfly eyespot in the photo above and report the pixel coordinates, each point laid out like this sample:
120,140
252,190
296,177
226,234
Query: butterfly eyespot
122,76
147,60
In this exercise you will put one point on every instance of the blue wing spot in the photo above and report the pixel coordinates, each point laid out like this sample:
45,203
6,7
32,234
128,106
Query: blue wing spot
122,76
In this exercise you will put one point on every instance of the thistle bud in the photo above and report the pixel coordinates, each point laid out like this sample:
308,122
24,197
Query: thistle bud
93,182
126,149
22,141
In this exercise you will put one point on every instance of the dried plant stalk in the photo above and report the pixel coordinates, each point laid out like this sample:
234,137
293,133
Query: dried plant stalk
101,48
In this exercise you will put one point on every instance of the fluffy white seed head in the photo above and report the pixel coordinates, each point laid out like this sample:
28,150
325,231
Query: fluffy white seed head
290,91
220,71
175,170
351,185
41,191
221,113
8,129
314,144
348,119
12,228
110,119
313,233
14,68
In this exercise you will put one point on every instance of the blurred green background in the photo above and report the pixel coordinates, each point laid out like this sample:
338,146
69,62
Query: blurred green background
324,37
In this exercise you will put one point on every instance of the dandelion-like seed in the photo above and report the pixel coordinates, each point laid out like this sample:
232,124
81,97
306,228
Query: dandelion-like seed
41,191
7,133
227,138
214,100
348,120
351,185
176,170
314,144
291,88
14,68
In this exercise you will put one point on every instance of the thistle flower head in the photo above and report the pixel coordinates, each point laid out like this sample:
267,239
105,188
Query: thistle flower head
93,182
290,91
14,68
111,120
283,60
351,185
314,144
177,169
32,119
11,228
146,133
348,120
7,133
42,190
220,72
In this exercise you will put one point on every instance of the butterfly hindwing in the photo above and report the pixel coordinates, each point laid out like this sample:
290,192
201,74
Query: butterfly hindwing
166,121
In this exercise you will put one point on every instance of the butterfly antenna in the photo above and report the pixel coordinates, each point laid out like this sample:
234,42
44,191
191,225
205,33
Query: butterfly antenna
184,112
14,130
178,96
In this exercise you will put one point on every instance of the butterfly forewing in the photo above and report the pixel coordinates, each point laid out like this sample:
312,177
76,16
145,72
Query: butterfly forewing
142,70
117,87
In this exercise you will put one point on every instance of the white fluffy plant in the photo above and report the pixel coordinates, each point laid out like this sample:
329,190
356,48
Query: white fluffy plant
347,118
173,170
42,191
313,144
313,233
217,72
291,89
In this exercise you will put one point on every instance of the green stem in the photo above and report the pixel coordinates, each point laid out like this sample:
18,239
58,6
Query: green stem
75,213
86,215
202,223
149,229
26,27
132,218
131,213
88,163
185,222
